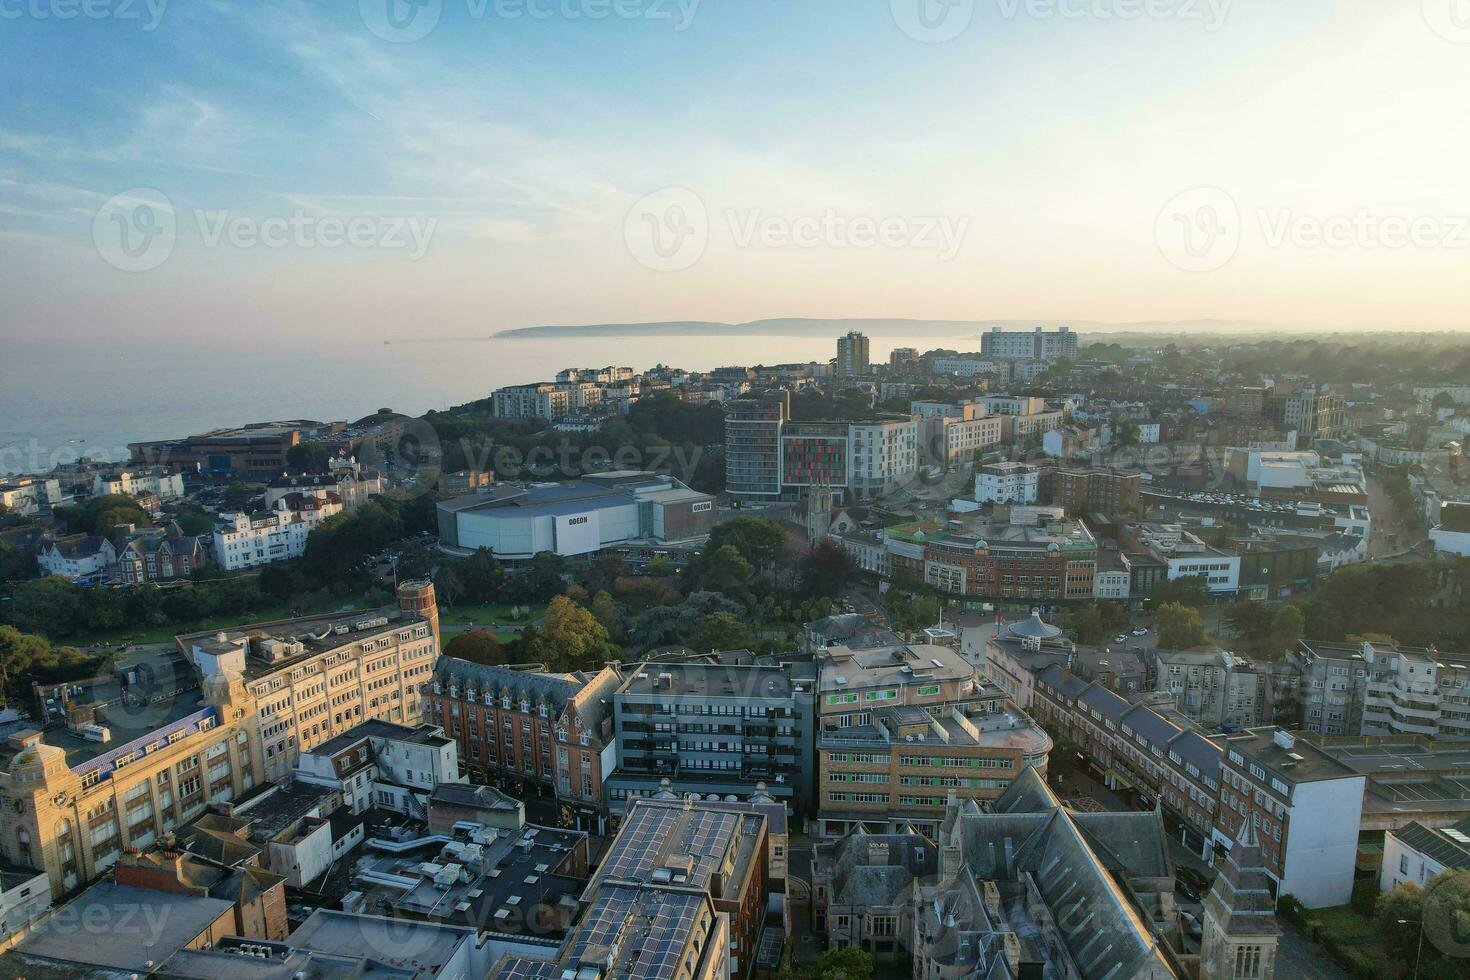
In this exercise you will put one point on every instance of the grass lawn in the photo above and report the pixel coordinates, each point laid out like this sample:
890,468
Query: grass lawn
1354,941
482,615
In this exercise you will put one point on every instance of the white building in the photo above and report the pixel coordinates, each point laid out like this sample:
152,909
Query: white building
1033,345
1112,583
966,367
883,453
1416,853
531,401
154,480
27,496
1006,483
76,555
25,895
1451,535
248,540
1187,556
385,765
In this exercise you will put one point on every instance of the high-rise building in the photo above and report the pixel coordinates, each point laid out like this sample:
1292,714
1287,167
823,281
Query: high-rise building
753,444
903,359
852,355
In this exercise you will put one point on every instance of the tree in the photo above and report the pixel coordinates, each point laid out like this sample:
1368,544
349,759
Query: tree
1189,590
538,580
1287,629
570,638
605,610
100,514
721,631
659,566
16,563
308,457
237,495
728,571
911,605
827,570
1252,624
600,574
845,963
1180,627
665,625
481,576
480,646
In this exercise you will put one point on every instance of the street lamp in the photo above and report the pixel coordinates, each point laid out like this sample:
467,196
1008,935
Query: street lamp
1420,952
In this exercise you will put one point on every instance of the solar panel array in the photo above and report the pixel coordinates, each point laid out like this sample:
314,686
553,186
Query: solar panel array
653,832
522,968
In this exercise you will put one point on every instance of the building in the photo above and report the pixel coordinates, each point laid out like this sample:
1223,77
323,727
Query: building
815,454
139,756
1240,928
135,482
159,555
353,485
614,509
753,444
76,555
1305,808
1451,534
528,730
258,896
251,452
901,727
852,356
378,763
25,896
532,401
1097,491
1028,889
1380,689
248,540
903,360
1006,483
319,676
713,729
1416,853
682,892
1054,558
884,452
1021,345
1183,555
1213,689
1314,414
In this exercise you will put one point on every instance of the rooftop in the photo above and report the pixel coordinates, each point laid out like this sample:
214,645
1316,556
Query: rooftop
1294,760
846,669
707,680
144,927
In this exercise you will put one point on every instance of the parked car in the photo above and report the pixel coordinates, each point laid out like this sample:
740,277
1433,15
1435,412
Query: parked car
1139,631
1120,638
1191,883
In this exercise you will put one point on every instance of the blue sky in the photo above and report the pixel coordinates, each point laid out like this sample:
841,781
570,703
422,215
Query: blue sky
517,145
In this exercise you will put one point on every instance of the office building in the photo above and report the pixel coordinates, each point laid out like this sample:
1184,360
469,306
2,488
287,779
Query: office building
1053,558
852,356
753,444
1097,491
900,727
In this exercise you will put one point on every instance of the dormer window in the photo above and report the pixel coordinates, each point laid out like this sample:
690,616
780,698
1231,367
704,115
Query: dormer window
505,702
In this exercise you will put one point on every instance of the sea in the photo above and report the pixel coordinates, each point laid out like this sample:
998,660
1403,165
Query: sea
64,400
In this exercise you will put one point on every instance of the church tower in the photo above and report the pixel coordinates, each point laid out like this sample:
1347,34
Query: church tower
1241,932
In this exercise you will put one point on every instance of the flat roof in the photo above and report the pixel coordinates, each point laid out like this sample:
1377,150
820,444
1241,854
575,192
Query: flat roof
1302,762
143,927
708,680
847,669
401,943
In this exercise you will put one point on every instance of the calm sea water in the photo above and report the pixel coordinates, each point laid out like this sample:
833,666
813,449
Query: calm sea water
62,400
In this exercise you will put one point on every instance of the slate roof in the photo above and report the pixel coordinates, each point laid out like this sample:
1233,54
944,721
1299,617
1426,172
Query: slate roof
1449,846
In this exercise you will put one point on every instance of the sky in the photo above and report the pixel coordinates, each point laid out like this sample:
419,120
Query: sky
262,172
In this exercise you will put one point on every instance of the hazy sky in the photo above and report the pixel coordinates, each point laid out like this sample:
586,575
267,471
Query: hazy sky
568,161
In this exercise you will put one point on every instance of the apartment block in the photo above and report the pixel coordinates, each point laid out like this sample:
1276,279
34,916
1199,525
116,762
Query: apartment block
852,355
1212,689
753,444
902,727
319,676
715,729
135,482
1054,558
1088,491
1380,689
547,733
1035,345
1006,483
247,540
532,401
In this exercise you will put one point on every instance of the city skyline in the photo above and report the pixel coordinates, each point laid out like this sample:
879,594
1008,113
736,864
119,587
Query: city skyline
305,170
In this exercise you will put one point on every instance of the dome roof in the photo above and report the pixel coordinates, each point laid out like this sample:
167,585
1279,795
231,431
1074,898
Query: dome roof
1034,628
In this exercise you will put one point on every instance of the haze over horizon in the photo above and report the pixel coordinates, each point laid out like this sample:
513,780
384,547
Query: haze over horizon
1291,165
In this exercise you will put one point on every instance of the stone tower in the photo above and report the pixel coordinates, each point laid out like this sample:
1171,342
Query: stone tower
417,599
1241,932
818,513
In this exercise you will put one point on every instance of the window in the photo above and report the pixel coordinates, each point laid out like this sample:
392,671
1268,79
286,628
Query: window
1247,962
